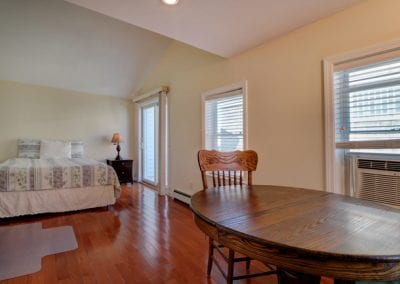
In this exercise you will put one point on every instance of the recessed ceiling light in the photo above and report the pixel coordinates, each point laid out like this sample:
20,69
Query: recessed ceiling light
170,2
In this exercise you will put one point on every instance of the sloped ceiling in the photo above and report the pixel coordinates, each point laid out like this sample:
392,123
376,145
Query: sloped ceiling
222,27
58,44
110,47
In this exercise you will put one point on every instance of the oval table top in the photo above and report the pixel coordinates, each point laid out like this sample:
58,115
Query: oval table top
307,231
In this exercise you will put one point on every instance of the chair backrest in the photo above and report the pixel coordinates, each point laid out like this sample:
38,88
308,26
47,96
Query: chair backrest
227,168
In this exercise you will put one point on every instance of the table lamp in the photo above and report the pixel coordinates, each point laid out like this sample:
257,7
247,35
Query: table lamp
116,139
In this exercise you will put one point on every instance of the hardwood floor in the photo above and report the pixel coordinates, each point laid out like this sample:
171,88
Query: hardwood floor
143,238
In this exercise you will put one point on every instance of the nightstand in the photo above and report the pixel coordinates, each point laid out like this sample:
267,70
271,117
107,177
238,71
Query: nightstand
123,168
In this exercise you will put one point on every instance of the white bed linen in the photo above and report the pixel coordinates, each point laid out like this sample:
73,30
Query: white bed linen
40,174
16,203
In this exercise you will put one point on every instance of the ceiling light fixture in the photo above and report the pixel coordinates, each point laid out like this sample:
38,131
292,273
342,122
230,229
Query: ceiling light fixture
170,2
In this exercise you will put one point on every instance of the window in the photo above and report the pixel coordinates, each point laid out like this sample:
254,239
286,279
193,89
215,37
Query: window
224,119
362,109
367,102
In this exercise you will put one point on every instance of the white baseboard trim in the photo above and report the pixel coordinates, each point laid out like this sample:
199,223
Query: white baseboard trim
181,196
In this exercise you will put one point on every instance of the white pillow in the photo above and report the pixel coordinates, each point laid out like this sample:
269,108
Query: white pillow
77,149
28,148
55,149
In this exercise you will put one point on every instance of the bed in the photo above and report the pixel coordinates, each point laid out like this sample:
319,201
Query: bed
32,184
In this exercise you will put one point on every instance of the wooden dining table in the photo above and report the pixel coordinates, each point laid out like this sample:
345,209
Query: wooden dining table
304,232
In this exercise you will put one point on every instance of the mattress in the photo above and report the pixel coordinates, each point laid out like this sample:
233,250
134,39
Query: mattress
32,186
22,174
17,203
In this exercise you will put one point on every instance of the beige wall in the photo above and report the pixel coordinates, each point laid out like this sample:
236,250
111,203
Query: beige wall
28,111
285,98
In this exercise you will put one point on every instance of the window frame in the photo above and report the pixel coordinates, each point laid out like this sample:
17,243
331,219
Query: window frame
375,53
219,92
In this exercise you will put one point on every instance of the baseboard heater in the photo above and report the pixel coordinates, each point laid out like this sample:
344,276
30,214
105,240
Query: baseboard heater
181,196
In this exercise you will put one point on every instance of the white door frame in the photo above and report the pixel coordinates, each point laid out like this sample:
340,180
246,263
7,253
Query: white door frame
159,95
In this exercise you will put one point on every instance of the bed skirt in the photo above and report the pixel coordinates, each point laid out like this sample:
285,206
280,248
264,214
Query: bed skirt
16,203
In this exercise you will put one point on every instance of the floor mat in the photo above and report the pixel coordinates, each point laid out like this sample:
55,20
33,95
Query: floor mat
23,246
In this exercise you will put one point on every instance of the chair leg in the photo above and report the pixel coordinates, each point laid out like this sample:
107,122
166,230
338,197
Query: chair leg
210,255
231,263
248,265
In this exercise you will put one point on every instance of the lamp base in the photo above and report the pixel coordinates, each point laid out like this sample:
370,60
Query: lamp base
118,157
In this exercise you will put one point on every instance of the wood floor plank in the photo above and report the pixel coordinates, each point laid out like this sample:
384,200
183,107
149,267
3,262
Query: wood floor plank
143,238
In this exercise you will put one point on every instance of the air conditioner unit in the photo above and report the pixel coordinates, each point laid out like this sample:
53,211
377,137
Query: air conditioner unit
375,178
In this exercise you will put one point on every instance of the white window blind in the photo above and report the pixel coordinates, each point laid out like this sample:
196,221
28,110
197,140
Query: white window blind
367,105
224,120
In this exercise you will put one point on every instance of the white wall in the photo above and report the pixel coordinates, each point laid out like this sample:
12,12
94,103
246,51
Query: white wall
285,97
29,111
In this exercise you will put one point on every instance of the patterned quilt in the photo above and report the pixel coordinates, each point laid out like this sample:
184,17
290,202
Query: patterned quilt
22,174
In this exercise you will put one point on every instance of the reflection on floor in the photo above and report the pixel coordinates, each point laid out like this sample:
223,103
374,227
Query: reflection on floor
143,238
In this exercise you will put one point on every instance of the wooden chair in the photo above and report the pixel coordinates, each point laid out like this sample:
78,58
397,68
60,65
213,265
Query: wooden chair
228,168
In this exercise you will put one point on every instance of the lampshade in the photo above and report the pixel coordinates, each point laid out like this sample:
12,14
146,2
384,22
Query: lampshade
116,138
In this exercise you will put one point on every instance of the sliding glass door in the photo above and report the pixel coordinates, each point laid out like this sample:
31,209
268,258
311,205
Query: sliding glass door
153,133
149,143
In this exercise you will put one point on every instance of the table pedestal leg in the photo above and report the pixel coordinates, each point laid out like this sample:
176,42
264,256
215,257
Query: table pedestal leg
289,277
